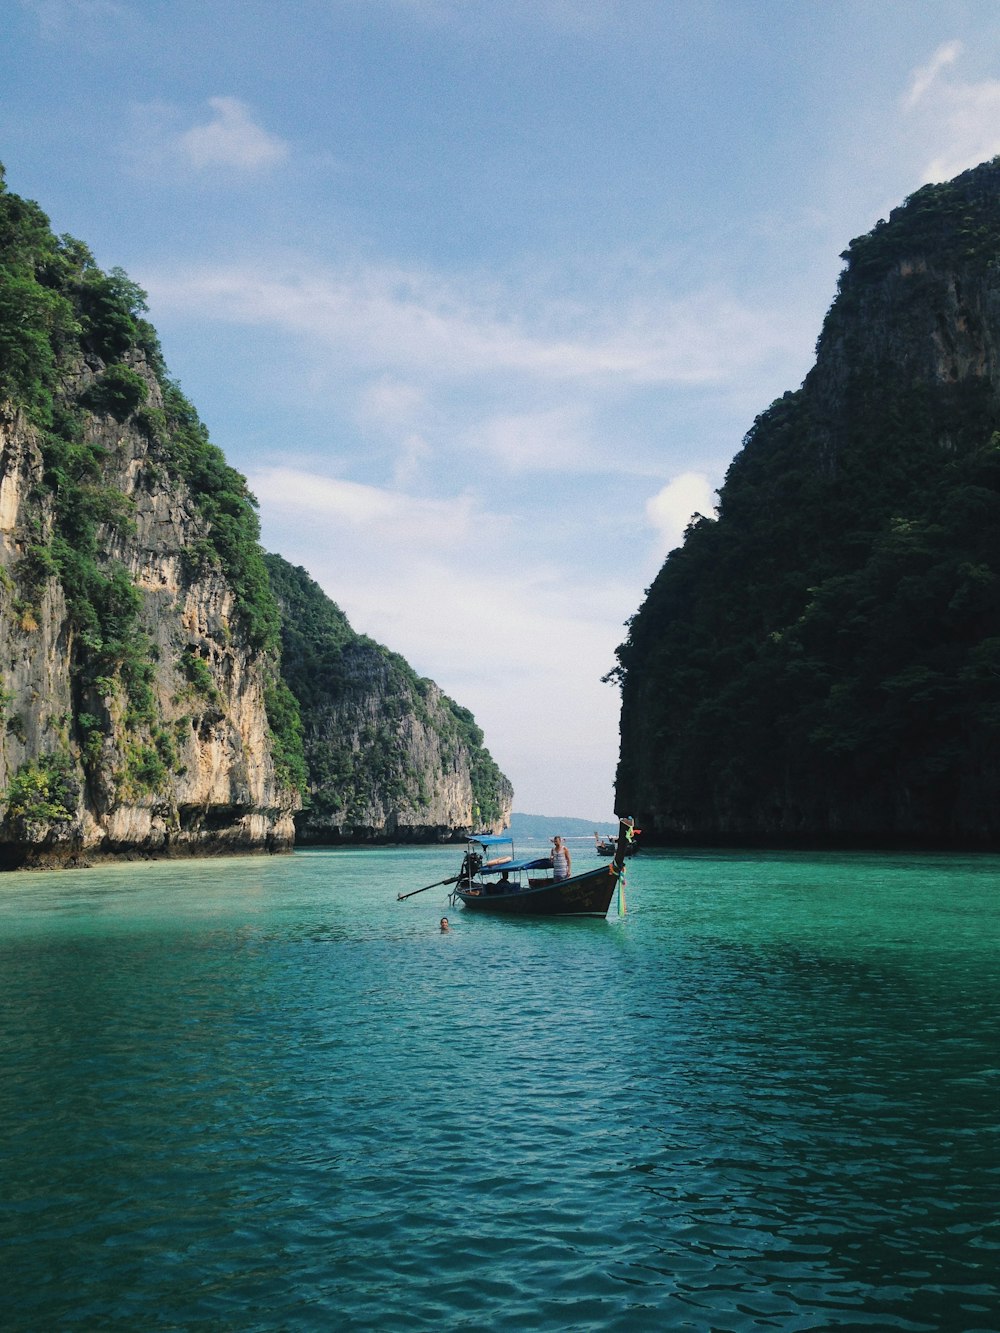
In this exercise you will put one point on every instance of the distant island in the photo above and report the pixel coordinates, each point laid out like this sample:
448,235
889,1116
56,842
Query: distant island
530,828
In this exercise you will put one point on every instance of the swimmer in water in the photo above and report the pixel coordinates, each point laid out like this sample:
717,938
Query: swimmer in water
444,923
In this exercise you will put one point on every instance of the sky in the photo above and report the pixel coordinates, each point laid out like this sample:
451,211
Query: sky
483,295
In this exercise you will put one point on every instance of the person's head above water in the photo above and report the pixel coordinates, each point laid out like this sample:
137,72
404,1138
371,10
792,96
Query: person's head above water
444,923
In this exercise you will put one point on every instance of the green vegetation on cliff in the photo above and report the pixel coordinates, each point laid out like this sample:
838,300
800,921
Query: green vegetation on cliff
378,737
75,350
822,661
59,314
156,652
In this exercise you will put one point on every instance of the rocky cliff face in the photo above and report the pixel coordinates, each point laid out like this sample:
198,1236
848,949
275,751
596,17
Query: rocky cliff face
143,709
99,754
389,756
822,662
138,635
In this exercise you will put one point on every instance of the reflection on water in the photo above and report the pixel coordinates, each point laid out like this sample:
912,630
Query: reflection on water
263,1094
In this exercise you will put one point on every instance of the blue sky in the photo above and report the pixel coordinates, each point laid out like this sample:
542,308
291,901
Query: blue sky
482,295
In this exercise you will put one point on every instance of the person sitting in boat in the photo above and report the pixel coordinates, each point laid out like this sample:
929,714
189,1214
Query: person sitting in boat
562,865
501,885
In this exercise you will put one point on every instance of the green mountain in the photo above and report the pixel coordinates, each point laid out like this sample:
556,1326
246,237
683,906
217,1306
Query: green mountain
821,662
542,828
144,706
388,755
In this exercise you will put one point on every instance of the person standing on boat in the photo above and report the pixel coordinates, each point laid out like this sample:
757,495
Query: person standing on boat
562,865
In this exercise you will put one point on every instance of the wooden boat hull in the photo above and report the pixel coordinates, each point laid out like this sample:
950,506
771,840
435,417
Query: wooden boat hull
588,894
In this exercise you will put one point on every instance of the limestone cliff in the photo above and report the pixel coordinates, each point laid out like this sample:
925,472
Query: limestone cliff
138,634
389,756
147,734
821,663
143,709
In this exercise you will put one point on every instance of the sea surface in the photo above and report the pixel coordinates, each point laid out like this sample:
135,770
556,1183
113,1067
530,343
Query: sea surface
264,1094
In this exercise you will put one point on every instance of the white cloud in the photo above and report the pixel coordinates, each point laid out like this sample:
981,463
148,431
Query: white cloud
553,440
504,631
441,578
959,120
386,518
388,403
406,321
59,18
391,410
671,509
230,141
925,77
412,456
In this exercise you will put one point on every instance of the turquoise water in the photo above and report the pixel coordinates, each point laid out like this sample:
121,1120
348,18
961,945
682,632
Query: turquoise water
263,1094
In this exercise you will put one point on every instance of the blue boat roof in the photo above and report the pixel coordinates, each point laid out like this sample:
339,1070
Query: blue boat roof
490,839
539,863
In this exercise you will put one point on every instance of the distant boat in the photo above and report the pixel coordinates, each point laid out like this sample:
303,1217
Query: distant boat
493,880
608,846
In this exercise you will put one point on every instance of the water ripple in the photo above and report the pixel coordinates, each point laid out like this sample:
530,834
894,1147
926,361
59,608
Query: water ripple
265,1095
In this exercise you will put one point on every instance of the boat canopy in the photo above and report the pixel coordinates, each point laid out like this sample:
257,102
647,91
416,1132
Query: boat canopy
539,863
491,839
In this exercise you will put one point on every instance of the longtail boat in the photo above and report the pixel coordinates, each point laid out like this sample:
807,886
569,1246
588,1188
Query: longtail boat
493,880
607,846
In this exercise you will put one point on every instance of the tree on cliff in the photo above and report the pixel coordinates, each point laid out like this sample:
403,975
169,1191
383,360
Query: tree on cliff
822,661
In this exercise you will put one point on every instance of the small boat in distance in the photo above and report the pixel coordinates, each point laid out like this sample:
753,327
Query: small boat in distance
607,846
492,880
